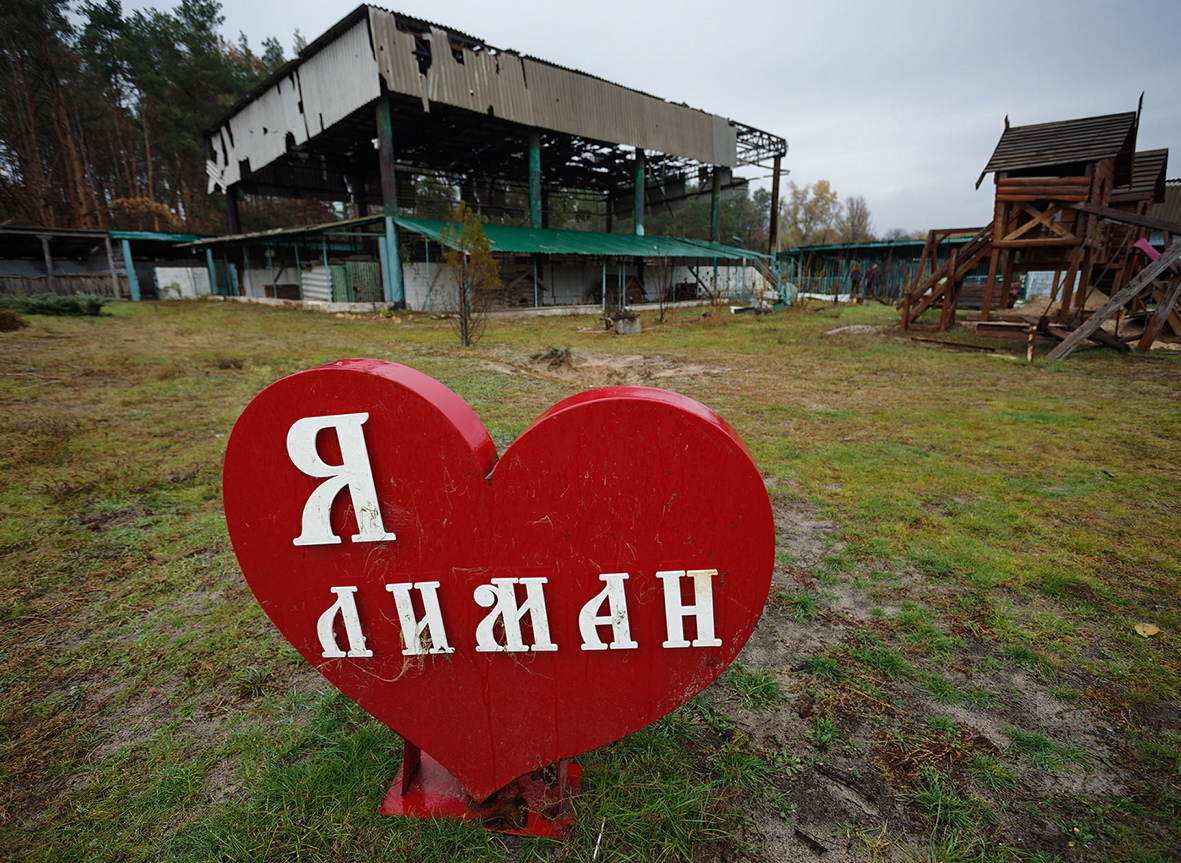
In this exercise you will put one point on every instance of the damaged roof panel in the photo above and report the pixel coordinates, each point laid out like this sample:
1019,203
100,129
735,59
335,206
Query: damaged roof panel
339,79
340,73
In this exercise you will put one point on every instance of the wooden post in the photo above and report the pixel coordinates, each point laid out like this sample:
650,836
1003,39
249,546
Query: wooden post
1068,284
948,289
1010,260
999,226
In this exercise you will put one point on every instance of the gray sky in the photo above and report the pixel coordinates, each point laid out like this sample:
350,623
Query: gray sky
901,102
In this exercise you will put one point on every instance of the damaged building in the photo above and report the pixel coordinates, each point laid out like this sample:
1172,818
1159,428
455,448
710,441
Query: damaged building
396,118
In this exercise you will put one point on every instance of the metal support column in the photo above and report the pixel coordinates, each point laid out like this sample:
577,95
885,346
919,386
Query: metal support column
132,278
271,267
212,270
247,273
773,233
327,269
534,178
395,291
641,164
48,262
298,271
235,222
715,206
111,264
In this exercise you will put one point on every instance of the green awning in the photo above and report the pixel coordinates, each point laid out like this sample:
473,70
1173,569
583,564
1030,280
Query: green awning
510,239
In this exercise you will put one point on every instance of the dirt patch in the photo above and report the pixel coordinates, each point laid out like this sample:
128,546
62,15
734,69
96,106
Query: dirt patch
598,370
865,792
107,520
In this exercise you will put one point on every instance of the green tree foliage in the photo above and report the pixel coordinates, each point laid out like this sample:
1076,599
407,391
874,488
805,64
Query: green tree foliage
472,274
808,215
102,121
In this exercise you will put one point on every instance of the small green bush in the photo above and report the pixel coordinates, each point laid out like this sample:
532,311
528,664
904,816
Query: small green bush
55,304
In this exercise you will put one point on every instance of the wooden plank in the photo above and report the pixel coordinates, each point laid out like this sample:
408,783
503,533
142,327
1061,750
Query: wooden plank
1126,217
1040,242
967,345
1048,195
1108,339
1163,310
1142,280
1043,181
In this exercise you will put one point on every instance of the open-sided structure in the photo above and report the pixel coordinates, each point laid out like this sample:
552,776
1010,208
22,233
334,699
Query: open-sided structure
387,110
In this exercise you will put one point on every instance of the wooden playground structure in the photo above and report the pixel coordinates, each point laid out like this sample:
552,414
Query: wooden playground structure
1073,198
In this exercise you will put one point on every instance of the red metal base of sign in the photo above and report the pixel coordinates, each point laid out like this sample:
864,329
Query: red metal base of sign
537,804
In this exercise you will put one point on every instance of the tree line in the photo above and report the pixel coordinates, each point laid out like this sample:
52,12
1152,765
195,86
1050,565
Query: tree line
102,114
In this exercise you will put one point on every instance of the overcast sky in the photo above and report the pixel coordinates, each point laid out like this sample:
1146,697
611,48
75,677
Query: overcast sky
901,102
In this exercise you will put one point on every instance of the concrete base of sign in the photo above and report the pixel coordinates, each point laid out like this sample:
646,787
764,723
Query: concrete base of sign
534,805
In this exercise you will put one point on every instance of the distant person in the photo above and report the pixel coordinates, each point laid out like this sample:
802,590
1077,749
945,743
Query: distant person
855,282
873,280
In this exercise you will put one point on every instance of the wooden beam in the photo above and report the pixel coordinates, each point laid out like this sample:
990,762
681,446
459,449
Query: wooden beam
1068,284
1168,299
1038,243
1085,182
1113,305
949,300
1126,217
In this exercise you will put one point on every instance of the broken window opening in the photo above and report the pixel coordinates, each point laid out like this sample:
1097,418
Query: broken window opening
422,53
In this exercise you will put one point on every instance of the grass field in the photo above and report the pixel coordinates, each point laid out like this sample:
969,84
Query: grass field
949,667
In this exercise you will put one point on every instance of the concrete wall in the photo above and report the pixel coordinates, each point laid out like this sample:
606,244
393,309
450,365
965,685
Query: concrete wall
182,283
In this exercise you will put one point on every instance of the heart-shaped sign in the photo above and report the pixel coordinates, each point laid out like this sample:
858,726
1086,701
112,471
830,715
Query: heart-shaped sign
499,614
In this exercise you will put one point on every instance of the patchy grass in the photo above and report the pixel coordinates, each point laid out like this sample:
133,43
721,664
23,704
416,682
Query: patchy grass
957,648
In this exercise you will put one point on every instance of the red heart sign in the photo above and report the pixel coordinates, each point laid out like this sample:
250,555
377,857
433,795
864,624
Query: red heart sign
500,615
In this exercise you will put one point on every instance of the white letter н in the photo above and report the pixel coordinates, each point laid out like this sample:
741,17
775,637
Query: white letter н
702,609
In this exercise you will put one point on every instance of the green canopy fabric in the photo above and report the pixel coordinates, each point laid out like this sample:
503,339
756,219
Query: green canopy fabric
516,240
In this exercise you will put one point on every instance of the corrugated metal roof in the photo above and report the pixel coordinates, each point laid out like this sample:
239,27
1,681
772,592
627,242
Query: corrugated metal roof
542,95
511,239
1148,179
1170,209
285,233
1047,145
